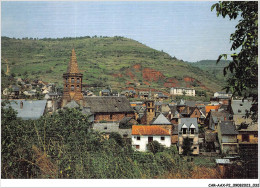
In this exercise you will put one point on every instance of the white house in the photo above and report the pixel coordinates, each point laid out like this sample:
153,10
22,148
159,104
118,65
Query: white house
222,94
142,135
182,91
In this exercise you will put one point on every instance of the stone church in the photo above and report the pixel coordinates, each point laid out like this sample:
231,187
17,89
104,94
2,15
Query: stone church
105,108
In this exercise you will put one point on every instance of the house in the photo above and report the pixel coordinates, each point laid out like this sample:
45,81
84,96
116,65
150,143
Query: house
182,91
105,92
52,96
223,94
227,137
248,146
109,108
159,96
239,110
15,92
247,134
29,109
188,128
30,93
221,100
129,93
143,94
214,118
208,108
142,135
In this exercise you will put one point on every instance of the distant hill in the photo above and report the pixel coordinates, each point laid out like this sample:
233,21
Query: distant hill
215,69
117,62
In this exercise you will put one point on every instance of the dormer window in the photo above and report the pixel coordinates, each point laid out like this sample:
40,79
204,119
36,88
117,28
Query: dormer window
192,129
184,129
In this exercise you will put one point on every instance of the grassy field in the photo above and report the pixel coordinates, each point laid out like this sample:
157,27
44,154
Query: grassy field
98,59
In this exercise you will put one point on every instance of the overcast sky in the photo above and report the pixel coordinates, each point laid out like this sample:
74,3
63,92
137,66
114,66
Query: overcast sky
186,30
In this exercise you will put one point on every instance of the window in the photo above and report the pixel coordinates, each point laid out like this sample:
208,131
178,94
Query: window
78,80
111,116
72,87
105,128
150,139
184,130
77,86
255,135
137,146
66,80
241,104
192,131
239,111
72,80
138,138
66,86
149,104
245,138
195,148
162,138
148,110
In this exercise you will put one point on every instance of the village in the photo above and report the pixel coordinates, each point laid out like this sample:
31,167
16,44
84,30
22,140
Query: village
219,127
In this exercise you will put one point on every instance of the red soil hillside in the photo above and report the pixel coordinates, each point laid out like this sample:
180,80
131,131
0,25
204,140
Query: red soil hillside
137,67
171,82
152,75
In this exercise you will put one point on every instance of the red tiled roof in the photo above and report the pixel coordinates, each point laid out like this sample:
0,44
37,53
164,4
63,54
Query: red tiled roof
208,108
149,130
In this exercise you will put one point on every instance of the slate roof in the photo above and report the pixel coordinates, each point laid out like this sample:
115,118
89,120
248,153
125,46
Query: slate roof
105,91
239,105
72,104
188,122
108,104
217,116
161,120
149,130
173,109
228,128
190,103
32,109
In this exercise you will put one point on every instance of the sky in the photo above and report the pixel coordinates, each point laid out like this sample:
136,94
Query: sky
187,30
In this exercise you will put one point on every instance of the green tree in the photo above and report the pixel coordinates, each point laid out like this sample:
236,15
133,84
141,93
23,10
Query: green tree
244,65
155,147
186,146
117,137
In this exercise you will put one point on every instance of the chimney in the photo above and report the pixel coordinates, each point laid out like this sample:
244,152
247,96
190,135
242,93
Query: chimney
21,105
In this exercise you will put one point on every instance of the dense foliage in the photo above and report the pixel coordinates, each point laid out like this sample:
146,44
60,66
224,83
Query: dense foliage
244,65
62,146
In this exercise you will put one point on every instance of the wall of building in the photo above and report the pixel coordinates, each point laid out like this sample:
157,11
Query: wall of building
253,138
229,139
180,91
144,141
195,144
112,116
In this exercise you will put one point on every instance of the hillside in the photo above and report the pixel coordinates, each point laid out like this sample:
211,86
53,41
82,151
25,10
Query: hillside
104,61
213,68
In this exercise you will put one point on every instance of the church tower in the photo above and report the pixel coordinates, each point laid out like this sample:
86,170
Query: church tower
72,82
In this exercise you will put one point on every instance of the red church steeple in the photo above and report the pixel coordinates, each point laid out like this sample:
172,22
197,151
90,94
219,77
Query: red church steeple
72,82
